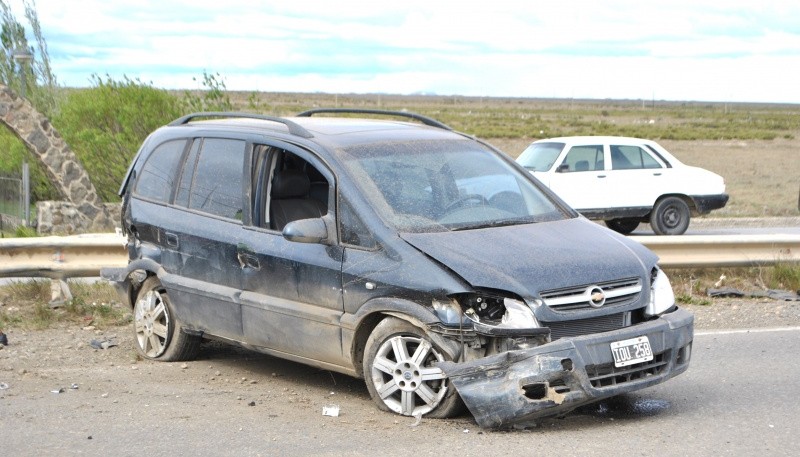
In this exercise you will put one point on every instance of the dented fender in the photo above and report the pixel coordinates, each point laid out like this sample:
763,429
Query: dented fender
518,387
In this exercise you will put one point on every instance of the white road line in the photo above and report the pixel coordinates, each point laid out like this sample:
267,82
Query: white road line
747,330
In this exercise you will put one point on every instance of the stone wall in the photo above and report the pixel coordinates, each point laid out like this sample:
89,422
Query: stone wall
65,218
87,213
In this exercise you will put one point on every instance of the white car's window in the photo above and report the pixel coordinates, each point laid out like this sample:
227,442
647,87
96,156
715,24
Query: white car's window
540,156
631,158
583,158
445,185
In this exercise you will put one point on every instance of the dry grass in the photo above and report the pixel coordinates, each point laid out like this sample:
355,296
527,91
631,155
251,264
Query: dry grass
755,147
761,176
26,306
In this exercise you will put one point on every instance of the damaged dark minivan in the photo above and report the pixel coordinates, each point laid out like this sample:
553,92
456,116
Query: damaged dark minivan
386,246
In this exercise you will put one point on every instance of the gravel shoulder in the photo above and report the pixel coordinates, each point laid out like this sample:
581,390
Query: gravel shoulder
60,395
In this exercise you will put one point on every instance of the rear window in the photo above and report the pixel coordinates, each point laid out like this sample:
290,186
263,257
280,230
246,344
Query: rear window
159,173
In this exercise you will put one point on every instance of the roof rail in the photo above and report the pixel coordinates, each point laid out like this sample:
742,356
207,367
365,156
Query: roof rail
424,119
294,128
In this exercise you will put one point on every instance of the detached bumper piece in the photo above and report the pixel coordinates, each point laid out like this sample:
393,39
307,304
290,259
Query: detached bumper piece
516,388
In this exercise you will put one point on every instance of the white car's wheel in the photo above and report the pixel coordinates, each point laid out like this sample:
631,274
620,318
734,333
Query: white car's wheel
670,216
623,225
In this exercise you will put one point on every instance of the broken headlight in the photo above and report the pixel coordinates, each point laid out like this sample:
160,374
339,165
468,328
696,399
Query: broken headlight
500,316
661,296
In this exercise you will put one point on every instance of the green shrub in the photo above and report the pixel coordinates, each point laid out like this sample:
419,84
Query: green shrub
105,125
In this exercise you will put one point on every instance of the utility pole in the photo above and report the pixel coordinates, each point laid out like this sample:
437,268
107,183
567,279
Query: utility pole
23,57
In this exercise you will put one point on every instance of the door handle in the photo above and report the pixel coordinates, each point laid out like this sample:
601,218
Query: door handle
248,261
601,176
657,174
171,239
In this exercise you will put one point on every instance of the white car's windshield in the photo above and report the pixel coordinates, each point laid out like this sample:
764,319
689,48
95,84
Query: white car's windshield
540,156
426,186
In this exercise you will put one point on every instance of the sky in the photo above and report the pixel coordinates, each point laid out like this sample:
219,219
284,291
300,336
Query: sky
697,50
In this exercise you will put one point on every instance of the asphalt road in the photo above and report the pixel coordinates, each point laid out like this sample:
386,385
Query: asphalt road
739,397
735,226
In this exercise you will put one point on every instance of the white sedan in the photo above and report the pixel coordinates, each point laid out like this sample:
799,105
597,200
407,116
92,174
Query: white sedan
625,181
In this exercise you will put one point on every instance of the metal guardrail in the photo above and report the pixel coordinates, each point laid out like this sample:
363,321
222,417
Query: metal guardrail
61,257
83,255
705,251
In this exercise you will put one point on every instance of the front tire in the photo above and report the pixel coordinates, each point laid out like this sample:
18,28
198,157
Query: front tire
401,374
625,225
157,331
670,216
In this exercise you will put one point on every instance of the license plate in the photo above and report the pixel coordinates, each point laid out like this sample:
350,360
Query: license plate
629,352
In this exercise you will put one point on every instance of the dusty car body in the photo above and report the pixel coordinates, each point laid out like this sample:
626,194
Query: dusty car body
420,259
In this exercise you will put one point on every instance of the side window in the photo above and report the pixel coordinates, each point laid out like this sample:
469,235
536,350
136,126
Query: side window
286,188
583,158
217,184
631,158
187,172
160,171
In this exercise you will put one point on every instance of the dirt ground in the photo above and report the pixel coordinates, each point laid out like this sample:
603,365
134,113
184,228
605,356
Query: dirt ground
55,382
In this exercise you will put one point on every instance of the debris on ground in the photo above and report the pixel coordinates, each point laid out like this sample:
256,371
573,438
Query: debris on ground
332,410
3,339
774,294
103,344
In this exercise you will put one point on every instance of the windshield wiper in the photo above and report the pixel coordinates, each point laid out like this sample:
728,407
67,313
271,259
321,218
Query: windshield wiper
494,223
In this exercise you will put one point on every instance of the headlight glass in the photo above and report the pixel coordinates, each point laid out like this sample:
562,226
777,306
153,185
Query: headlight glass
661,296
496,311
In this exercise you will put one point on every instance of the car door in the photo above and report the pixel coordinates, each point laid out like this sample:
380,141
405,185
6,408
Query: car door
579,178
204,230
291,291
636,176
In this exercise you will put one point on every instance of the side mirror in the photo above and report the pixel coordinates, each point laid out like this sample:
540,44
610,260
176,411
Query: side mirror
306,231
563,168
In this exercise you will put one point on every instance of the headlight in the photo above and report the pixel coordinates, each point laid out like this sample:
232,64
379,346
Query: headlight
497,311
661,296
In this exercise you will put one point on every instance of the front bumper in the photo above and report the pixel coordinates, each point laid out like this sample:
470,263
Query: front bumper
706,203
518,387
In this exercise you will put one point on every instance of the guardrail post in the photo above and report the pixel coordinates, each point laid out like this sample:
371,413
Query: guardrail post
59,293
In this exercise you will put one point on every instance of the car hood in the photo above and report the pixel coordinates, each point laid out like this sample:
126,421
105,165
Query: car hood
526,259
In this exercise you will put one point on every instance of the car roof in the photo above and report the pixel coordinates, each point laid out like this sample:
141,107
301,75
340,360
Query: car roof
594,139
331,131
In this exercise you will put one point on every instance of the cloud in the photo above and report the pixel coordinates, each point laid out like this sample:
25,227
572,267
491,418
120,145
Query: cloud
685,50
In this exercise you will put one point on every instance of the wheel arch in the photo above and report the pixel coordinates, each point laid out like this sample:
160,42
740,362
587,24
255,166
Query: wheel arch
376,310
128,280
687,199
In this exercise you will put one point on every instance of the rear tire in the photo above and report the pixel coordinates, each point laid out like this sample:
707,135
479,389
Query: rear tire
157,331
401,374
670,216
624,225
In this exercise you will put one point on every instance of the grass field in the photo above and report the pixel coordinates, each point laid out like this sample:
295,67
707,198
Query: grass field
755,147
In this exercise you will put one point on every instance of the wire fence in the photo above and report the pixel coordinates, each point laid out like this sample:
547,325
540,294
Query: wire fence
12,203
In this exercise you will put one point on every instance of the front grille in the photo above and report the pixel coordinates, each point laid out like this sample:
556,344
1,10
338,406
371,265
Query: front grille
588,326
607,374
577,298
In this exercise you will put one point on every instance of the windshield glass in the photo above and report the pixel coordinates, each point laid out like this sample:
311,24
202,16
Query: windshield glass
540,156
425,186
